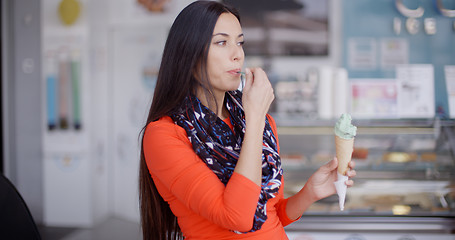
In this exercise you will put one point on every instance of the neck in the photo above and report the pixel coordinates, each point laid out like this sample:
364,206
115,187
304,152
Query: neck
221,112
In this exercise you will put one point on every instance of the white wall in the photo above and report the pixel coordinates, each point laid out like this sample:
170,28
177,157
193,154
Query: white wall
136,40
75,177
92,173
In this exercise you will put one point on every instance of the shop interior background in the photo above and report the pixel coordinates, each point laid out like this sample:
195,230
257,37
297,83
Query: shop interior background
77,84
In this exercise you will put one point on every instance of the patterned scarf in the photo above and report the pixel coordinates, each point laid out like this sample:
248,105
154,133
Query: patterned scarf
219,147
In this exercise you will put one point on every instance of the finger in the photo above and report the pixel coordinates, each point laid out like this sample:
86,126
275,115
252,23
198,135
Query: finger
332,165
352,164
349,183
248,77
335,162
351,173
254,71
258,75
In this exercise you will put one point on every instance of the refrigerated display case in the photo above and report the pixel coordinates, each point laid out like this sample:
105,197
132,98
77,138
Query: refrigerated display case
405,181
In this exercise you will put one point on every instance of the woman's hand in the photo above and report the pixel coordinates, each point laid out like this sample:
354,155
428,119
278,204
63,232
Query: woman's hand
320,184
257,94
256,100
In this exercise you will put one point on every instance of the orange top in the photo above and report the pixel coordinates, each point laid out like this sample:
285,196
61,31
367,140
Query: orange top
204,206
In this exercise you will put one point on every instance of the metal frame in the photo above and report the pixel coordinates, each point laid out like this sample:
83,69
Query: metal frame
21,99
332,223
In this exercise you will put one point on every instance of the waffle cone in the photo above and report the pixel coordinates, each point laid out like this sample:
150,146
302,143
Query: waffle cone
344,149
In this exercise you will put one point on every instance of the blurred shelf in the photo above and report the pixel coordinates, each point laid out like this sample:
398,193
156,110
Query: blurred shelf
302,121
322,130
399,154
398,174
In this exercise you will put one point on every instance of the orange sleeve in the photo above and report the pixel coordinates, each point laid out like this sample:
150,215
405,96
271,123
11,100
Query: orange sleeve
171,158
282,203
281,212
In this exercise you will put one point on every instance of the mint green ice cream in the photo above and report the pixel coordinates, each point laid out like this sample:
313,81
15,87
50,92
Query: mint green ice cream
344,129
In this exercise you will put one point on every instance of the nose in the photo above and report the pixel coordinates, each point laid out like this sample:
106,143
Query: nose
238,54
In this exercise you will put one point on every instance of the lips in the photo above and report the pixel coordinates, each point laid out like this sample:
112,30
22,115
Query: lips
235,71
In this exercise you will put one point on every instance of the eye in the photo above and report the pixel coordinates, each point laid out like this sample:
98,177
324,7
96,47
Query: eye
221,43
241,43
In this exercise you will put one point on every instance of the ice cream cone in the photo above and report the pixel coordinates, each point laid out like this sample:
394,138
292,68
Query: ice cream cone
344,149
344,145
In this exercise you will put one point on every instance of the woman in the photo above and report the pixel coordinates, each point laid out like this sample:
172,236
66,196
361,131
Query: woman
210,167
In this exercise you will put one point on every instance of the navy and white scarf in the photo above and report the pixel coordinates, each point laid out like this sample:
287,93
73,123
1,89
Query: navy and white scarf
219,147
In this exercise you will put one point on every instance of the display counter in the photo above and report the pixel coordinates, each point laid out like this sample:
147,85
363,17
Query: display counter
405,176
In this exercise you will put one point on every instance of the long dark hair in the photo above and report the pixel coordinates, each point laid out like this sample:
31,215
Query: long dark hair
185,53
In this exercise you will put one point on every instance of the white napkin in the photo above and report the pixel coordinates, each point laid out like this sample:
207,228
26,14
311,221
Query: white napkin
341,188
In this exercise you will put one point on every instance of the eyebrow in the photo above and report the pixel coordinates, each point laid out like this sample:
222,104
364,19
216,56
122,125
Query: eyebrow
227,35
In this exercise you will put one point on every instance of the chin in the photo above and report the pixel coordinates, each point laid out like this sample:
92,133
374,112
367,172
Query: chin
233,88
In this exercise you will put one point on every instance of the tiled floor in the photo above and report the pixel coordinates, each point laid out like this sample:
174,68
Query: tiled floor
112,229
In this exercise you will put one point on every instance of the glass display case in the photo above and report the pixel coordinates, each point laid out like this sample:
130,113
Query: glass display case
405,175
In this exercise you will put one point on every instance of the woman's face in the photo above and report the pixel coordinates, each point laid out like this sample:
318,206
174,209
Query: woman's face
226,56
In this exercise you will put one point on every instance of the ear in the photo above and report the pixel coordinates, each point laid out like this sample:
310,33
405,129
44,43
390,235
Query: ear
197,72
